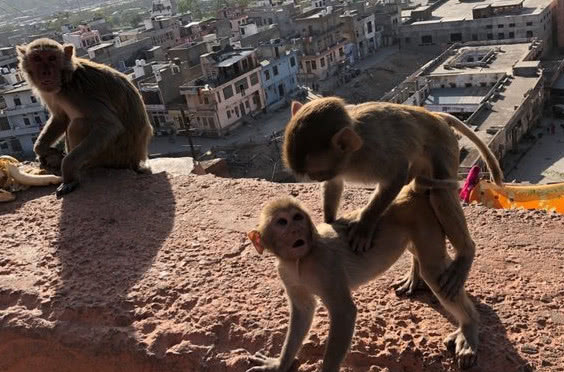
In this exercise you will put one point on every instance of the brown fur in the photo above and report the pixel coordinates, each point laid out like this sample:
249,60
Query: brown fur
325,267
100,112
390,145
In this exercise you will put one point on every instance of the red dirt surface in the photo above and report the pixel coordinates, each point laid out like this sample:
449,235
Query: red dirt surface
154,273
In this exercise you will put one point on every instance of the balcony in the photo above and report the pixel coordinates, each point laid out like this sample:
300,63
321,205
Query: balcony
23,109
20,131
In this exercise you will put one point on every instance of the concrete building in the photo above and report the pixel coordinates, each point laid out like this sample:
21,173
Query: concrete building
280,67
83,37
263,34
8,57
164,8
322,45
282,15
21,121
558,22
163,32
387,15
444,22
236,16
360,30
192,51
496,87
118,54
230,90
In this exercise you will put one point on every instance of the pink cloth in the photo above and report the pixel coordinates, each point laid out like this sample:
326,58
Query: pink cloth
471,180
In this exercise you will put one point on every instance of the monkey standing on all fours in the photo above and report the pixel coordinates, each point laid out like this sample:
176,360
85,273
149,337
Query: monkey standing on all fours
318,261
98,110
388,144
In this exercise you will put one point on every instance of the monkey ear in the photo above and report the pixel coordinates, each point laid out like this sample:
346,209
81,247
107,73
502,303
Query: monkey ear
347,140
295,107
254,237
69,50
21,50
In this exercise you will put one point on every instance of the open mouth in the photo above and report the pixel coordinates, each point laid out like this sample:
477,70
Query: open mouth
298,243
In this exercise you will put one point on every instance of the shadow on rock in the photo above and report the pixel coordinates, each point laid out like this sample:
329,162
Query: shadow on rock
111,229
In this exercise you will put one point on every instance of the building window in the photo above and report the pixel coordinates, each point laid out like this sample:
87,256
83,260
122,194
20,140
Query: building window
499,26
211,122
17,102
3,146
206,100
292,61
483,84
322,62
33,99
489,27
426,39
275,70
241,85
452,85
456,37
474,37
511,35
369,27
237,111
490,36
218,97
37,120
468,85
26,121
341,52
254,79
267,75
4,125
247,104
529,33
512,25
16,145
313,65
228,92
529,23
228,114
501,35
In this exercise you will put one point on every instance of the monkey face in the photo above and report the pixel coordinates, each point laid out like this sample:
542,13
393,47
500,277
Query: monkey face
44,68
326,165
289,233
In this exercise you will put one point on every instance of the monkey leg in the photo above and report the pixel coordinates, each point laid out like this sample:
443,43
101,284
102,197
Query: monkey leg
411,281
86,139
433,259
48,156
449,212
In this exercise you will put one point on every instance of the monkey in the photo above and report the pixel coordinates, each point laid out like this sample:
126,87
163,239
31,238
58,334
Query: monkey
316,261
100,113
387,144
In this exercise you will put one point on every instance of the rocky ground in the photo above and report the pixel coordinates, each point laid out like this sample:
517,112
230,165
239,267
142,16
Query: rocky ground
154,273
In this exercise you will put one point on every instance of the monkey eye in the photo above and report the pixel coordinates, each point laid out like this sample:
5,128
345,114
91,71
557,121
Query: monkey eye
282,222
298,217
52,58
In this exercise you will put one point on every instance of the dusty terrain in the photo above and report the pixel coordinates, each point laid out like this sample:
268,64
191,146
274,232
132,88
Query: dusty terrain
154,273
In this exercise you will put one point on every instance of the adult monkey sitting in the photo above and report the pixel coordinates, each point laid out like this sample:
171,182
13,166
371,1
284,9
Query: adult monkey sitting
98,110
389,145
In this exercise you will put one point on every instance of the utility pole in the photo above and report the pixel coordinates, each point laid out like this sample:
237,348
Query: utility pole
187,126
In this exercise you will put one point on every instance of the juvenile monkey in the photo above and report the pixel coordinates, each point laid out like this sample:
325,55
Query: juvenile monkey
390,145
98,110
317,261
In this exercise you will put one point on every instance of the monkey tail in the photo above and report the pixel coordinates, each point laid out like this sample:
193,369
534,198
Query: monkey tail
485,152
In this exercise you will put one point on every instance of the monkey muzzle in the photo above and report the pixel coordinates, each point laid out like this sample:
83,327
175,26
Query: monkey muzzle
298,243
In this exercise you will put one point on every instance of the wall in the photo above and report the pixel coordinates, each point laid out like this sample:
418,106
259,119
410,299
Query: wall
286,77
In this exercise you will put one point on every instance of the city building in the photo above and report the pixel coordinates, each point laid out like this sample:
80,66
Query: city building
282,15
164,8
360,30
162,31
280,67
322,46
230,90
8,57
120,55
83,37
496,87
21,121
444,22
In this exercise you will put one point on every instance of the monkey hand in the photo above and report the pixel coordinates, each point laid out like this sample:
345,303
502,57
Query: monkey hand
265,364
360,235
51,159
65,188
454,277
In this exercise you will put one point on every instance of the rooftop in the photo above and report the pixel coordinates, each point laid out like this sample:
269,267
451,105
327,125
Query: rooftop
235,57
22,88
457,10
457,96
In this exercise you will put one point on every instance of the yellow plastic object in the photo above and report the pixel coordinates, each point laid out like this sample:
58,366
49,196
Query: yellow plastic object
546,197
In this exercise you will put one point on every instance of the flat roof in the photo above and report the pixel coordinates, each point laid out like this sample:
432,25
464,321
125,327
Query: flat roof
456,96
21,88
234,58
454,9
100,46
504,60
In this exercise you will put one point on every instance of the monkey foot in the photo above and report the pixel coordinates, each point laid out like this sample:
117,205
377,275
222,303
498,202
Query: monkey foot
66,188
408,285
465,348
265,364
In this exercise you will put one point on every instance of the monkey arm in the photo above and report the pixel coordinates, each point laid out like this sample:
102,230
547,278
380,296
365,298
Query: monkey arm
361,232
53,130
342,314
332,191
302,305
